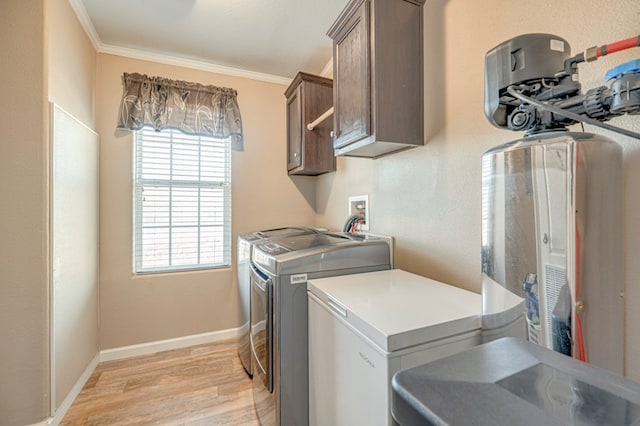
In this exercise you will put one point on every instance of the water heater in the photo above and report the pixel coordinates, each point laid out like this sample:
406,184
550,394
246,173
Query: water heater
552,245
552,270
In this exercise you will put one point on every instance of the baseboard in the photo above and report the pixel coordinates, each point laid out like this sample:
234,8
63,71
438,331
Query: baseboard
73,393
166,345
46,422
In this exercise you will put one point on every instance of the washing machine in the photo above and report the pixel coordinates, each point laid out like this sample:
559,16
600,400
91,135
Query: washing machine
243,266
364,328
280,271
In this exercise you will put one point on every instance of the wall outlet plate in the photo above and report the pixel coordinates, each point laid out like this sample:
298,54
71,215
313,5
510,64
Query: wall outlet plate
359,204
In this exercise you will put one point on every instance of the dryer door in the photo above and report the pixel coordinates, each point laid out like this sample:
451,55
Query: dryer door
262,327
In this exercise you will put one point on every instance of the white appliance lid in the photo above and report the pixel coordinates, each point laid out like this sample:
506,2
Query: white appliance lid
397,309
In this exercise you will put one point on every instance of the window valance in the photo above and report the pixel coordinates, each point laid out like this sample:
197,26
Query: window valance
193,108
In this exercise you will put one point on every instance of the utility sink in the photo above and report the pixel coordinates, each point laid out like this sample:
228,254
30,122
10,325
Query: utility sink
513,382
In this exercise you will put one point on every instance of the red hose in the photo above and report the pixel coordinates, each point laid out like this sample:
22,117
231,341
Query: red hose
617,46
582,355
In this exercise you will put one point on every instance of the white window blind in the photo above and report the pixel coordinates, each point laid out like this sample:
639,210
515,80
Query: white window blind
182,201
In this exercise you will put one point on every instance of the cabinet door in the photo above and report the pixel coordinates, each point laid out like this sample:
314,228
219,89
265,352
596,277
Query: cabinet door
352,80
294,133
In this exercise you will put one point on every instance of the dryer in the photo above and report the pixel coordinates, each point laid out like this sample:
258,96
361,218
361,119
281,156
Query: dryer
243,266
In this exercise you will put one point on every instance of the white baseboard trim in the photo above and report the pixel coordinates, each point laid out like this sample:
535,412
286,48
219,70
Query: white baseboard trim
73,393
165,345
46,422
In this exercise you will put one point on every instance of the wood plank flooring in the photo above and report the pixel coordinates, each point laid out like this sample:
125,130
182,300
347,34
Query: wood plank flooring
196,386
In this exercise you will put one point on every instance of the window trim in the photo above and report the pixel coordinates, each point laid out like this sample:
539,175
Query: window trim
138,183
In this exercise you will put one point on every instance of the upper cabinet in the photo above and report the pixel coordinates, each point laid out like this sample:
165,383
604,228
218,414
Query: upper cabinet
378,77
309,152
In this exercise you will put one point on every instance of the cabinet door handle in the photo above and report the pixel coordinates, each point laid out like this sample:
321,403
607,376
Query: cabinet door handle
332,134
295,154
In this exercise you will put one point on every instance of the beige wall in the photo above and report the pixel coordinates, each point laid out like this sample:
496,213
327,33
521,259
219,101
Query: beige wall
23,226
429,197
146,308
74,196
72,63
45,55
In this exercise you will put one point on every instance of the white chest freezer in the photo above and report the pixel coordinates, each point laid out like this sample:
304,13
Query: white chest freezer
363,328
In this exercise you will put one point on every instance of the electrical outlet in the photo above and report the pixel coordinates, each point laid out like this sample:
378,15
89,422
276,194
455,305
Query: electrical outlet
359,204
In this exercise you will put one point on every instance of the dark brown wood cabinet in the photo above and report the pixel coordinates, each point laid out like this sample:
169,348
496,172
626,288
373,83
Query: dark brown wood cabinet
309,152
378,77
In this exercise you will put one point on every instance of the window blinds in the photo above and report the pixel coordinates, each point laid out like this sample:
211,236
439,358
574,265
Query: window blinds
182,201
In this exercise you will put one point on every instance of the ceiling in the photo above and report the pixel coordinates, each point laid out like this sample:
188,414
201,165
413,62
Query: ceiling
271,38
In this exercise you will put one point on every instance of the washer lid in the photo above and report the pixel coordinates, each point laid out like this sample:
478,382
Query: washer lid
304,242
280,232
397,309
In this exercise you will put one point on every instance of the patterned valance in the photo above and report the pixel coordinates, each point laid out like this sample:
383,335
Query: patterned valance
193,108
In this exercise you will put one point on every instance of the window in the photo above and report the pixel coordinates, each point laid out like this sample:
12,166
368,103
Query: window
182,193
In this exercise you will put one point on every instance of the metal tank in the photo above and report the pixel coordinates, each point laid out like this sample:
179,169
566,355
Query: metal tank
552,245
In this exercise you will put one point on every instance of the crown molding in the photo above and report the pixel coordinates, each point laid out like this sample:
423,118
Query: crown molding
85,21
90,30
191,63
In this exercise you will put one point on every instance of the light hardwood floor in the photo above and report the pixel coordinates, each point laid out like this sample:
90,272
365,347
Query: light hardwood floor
197,386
